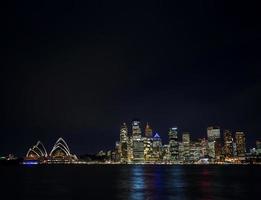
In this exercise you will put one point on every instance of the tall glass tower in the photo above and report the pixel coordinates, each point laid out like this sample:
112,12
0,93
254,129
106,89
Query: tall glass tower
173,144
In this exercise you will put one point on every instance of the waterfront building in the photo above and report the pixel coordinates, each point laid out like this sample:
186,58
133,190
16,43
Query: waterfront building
124,143
156,148
61,153
36,152
136,130
117,155
213,134
204,147
173,144
186,147
228,144
138,150
195,152
137,143
148,131
165,153
130,149
148,149
241,144
181,152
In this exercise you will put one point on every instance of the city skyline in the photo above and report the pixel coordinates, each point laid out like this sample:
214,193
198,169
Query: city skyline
145,146
147,131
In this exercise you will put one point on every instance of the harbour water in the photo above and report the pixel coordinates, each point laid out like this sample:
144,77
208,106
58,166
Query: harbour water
66,182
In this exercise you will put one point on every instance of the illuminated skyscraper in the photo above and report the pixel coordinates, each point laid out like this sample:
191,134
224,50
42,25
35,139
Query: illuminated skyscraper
173,144
156,147
137,143
228,144
147,149
186,138
148,131
124,143
136,131
124,133
240,144
138,150
213,134
186,146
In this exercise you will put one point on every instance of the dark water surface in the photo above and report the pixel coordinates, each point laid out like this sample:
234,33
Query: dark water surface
63,182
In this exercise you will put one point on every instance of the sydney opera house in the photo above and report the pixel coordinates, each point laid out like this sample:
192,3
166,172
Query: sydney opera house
60,153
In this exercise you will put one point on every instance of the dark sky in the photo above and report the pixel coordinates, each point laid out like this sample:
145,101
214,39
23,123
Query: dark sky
79,69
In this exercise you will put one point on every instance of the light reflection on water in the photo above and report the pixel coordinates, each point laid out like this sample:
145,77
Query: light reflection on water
131,182
137,183
155,183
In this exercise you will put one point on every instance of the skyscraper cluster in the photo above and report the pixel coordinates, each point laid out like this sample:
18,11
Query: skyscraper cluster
136,147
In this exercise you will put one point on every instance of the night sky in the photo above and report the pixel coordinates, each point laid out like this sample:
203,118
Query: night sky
79,69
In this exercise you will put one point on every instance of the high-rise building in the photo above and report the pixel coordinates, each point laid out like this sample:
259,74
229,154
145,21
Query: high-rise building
195,151
218,149
136,131
228,144
173,144
147,149
117,152
204,147
138,150
186,147
156,147
148,131
186,138
123,133
213,134
124,143
241,144
165,153
137,142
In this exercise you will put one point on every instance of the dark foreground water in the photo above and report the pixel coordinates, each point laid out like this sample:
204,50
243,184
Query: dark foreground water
62,182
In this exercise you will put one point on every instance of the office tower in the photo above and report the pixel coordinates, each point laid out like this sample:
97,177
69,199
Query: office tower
213,134
137,142
241,144
165,153
130,149
138,150
195,151
204,147
156,147
218,149
136,131
117,152
186,138
124,143
186,146
181,152
148,131
147,149
228,144
123,133
173,144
